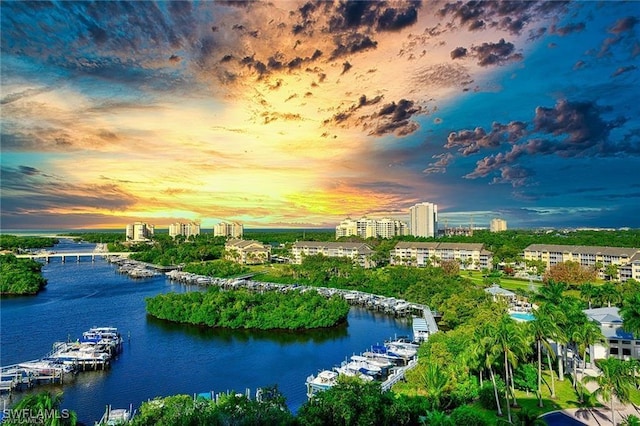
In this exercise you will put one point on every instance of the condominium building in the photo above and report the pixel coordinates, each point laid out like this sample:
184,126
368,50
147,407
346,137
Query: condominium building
359,252
248,252
186,229
423,219
469,255
618,343
627,259
139,232
371,228
231,230
498,225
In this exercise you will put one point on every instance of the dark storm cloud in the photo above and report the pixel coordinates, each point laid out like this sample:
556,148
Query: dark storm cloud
395,118
567,29
458,52
352,14
352,43
623,25
569,129
511,16
622,70
495,53
471,141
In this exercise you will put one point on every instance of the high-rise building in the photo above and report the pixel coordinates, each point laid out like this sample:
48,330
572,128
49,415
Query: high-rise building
424,220
225,229
139,231
498,225
186,229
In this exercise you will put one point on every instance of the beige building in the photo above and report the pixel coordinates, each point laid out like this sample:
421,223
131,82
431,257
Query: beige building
469,255
498,225
186,229
627,259
230,230
247,252
371,228
359,252
423,218
139,232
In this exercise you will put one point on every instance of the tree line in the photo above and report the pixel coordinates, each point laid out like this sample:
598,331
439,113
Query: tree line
294,310
19,243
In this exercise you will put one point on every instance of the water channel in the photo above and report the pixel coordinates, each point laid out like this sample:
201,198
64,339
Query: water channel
159,358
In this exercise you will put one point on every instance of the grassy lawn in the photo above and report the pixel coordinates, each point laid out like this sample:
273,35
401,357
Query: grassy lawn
504,282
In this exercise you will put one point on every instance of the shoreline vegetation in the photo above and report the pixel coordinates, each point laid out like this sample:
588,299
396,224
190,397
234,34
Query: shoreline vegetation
19,277
249,310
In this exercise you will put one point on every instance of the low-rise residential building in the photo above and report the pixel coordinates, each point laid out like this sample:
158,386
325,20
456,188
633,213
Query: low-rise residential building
186,229
247,252
139,232
626,259
371,228
359,252
229,230
619,343
469,255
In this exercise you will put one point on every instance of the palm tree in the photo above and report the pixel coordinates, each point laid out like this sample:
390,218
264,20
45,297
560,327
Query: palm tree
584,335
47,405
551,292
543,328
435,380
587,292
630,313
614,381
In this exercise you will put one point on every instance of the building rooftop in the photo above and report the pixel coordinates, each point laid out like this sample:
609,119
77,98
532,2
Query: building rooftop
559,248
440,246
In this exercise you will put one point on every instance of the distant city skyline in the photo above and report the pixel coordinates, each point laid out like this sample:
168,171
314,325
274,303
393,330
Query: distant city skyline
296,114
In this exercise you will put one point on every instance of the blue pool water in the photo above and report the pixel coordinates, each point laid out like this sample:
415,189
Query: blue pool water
522,316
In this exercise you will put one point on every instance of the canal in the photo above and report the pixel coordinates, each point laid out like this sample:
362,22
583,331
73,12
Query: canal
159,358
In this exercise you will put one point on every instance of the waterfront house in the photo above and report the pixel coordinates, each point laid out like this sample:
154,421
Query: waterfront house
247,252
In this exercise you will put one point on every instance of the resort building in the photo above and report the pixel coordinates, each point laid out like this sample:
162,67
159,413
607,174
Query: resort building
186,229
229,230
619,343
359,252
626,259
423,218
371,228
139,232
247,252
497,225
469,255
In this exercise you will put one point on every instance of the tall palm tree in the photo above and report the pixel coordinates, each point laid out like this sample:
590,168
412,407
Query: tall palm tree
587,292
615,381
551,292
543,328
630,313
584,334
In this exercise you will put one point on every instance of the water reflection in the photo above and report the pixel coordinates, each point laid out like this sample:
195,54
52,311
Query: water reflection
243,335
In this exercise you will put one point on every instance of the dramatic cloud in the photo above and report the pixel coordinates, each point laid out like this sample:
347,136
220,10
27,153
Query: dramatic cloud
495,53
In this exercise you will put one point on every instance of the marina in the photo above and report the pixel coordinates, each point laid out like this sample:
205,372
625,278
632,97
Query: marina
93,351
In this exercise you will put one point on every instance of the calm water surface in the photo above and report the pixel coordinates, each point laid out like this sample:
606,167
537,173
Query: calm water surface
159,358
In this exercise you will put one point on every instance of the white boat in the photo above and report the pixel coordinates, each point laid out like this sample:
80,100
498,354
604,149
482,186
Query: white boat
363,365
323,381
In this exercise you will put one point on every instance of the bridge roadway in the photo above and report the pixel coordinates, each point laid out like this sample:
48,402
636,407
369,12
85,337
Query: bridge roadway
77,255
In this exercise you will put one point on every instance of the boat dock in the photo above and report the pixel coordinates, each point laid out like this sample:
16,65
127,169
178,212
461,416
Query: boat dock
386,364
93,351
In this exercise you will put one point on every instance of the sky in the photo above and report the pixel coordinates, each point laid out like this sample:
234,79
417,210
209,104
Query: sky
301,114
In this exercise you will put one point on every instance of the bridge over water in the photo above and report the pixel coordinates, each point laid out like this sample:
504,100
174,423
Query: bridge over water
77,255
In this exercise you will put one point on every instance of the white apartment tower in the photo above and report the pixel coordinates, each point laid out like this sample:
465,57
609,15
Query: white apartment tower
232,230
497,225
371,228
186,229
139,231
423,218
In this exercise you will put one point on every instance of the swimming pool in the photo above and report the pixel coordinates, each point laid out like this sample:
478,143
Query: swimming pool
522,316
